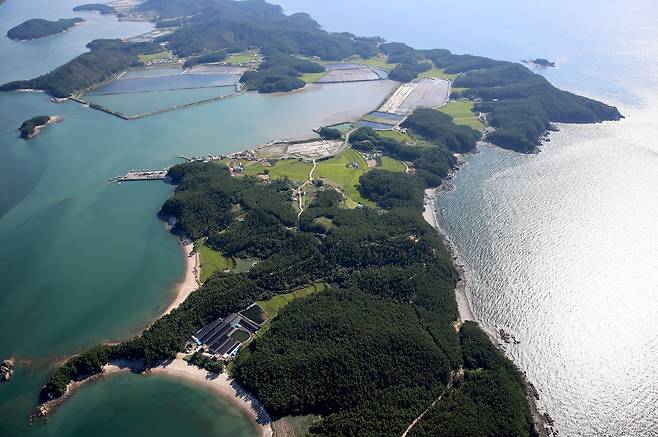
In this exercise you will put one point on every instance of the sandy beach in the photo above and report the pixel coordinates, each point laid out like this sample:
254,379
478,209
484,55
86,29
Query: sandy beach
429,214
224,386
190,281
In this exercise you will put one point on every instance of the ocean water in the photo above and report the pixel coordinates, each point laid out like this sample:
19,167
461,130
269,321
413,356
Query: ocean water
560,247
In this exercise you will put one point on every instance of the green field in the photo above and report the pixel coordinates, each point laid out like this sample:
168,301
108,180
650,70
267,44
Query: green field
439,73
242,58
153,56
374,119
376,61
274,305
461,113
290,168
312,77
396,135
390,164
347,178
211,261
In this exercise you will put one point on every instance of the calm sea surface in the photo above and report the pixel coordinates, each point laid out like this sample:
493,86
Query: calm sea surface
83,260
561,248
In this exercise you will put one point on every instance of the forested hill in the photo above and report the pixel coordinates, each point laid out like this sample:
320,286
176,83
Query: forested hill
237,25
106,58
39,28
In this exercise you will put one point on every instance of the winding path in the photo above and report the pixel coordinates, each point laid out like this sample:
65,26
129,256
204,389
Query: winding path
300,192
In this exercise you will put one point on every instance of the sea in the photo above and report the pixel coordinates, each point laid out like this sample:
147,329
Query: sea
560,248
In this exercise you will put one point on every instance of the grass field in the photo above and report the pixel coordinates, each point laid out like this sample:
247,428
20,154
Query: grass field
376,61
211,261
461,113
153,56
396,135
347,178
312,77
439,73
274,305
291,168
390,164
241,58
368,117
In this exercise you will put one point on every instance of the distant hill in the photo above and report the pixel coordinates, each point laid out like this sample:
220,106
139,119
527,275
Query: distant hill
99,7
39,28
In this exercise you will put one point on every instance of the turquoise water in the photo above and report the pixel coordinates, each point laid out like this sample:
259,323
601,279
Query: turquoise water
561,247
135,405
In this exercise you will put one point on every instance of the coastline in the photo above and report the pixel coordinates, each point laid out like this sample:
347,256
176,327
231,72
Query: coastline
429,214
542,421
222,385
191,277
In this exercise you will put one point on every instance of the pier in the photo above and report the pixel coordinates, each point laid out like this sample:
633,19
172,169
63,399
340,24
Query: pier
141,175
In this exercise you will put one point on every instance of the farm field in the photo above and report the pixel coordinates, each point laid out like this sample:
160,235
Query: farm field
347,178
313,77
438,73
274,305
396,135
390,164
153,56
211,261
376,61
461,113
292,168
241,58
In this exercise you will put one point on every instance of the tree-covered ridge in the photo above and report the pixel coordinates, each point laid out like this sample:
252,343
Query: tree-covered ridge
106,58
39,28
236,26
98,7
487,401
280,72
206,58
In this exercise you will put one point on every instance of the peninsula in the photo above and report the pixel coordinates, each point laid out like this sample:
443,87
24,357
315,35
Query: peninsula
343,314
40,28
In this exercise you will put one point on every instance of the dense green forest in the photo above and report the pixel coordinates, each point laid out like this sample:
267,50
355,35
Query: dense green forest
206,58
39,28
28,128
488,401
106,58
280,72
237,26
438,127
98,7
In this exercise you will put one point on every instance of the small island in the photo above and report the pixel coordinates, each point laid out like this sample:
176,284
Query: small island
31,128
98,7
540,62
39,28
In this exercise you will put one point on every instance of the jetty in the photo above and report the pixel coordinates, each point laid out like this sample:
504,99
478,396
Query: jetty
141,175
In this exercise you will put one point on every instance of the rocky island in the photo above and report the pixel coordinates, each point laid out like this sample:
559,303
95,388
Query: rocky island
31,128
40,28
540,62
